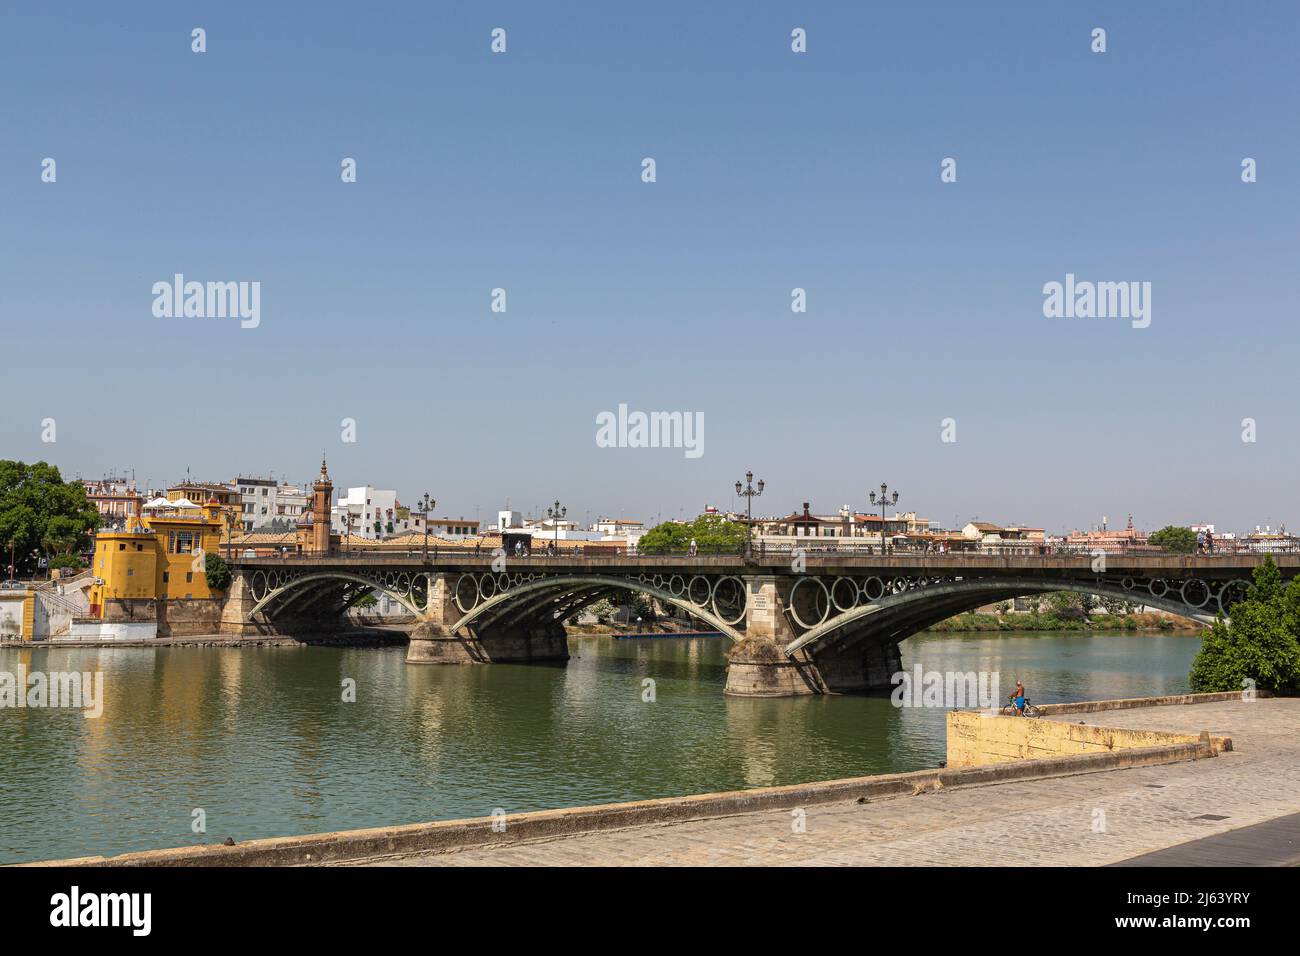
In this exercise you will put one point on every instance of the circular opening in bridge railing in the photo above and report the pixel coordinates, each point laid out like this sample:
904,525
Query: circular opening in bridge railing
1127,584
899,585
873,589
1158,587
503,582
471,593
516,579
1195,593
693,592
733,598
1231,593
487,586
404,583
845,587
676,585
824,604
657,581
258,584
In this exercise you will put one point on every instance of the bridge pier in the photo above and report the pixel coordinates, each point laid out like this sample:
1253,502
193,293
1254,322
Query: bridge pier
433,641
758,666
237,611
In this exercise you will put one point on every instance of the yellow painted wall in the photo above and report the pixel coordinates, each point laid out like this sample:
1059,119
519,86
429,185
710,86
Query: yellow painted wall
21,606
976,739
125,561
147,562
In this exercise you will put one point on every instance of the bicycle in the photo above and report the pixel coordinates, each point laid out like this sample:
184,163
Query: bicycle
1029,711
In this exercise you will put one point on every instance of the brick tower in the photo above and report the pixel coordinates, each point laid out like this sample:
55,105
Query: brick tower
321,499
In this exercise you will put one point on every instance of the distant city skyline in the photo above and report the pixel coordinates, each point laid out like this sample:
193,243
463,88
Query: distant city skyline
485,512
775,171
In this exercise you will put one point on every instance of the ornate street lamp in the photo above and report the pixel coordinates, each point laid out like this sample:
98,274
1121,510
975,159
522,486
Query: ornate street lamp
425,504
749,492
884,500
347,530
555,513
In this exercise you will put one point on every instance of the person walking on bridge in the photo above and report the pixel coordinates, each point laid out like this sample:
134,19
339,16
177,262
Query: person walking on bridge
692,549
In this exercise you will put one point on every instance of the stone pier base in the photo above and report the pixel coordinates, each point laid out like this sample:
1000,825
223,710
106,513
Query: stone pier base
759,668
435,644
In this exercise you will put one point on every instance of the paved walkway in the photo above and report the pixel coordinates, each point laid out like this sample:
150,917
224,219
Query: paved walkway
1275,843
1089,819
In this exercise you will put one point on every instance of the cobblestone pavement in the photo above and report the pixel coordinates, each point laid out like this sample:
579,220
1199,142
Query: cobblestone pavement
1087,819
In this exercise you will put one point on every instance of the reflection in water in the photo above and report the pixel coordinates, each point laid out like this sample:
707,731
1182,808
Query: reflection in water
261,739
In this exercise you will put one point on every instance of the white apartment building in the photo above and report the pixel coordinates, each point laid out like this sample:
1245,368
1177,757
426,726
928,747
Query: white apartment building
264,500
365,512
450,528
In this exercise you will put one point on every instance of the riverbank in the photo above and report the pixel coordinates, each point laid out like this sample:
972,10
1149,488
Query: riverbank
359,637
369,635
1012,625
1024,621
1089,809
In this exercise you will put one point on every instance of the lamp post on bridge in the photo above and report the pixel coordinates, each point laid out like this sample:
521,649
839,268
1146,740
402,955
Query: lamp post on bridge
884,500
347,529
424,505
555,513
749,492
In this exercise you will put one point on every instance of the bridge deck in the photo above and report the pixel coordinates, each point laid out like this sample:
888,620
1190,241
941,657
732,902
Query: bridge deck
817,563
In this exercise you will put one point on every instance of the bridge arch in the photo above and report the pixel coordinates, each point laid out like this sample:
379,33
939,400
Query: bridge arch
560,596
276,591
897,615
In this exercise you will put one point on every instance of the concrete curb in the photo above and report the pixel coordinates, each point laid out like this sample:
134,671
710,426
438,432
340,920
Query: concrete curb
442,836
1125,703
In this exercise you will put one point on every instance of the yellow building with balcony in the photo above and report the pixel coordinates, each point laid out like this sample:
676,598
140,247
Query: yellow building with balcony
154,568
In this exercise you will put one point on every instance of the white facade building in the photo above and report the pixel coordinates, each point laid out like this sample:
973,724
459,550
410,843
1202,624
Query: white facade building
264,500
368,512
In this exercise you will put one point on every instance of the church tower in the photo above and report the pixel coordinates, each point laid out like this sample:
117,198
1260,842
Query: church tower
321,499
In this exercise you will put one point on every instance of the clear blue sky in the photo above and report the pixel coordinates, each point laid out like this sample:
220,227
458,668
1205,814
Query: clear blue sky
775,170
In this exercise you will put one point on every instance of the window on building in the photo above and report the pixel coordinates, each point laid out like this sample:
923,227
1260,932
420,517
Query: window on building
184,542
130,572
121,547
167,576
189,577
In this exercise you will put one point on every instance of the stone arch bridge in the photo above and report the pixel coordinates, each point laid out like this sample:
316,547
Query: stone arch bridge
816,623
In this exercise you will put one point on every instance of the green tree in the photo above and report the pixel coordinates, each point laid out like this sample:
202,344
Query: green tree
1116,606
1065,604
217,571
641,607
40,512
603,610
1175,539
712,534
1260,643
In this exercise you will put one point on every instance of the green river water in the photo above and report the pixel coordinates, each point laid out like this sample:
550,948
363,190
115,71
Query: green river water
261,740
